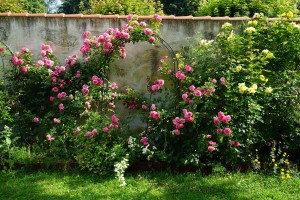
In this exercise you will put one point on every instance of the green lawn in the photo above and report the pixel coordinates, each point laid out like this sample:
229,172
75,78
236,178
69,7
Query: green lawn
155,185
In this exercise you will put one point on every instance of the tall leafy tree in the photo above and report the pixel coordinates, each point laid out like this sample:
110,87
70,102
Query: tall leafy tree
35,6
31,6
15,6
180,7
234,8
73,6
125,7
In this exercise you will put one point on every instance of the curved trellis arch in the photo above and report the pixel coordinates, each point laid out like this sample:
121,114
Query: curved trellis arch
5,57
2,56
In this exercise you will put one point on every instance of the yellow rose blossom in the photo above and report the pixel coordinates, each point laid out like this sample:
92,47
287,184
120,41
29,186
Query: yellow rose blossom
262,77
268,90
273,160
238,68
275,165
289,15
254,86
242,87
270,55
251,90
226,26
254,22
265,51
250,30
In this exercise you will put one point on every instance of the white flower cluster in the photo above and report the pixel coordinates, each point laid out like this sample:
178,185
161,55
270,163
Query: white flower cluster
206,42
146,150
132,143
194,159
120,168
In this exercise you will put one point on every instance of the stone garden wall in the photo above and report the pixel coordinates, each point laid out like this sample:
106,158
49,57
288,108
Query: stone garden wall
64,34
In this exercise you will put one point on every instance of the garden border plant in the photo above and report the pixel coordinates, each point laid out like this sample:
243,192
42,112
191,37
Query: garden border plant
229,90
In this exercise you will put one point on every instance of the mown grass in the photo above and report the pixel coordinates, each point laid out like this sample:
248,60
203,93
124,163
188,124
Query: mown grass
46,185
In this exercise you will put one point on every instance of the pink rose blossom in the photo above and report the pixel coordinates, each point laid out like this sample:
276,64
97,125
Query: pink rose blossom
157,18
235,144
35,120
55,89
184,96
163,59
216,120
113,86
223,81
208,136
221,115
40,63
153,107
227,131
189,68
155,87
211,148
219,130
148,31
212,143
197,93
179,75
49,138
25,50
192,88
76,131
112,105
226,118
144,140
169,72
214,81
85,89
155,115
105,129
51,98
152,39
88,105
114,119
24,69
61,106
56,121
78,74
176,132
144,107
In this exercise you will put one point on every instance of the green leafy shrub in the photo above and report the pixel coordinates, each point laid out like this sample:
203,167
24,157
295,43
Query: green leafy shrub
270,8
68,111
125,7
260,72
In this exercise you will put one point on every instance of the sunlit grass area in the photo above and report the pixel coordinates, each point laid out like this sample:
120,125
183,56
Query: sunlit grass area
146,185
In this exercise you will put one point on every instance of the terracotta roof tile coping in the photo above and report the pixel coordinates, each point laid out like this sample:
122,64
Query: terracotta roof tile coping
74,16
56,15
116,16
18,14
37,15
221,18
92,16
5,14
202,18
239,18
